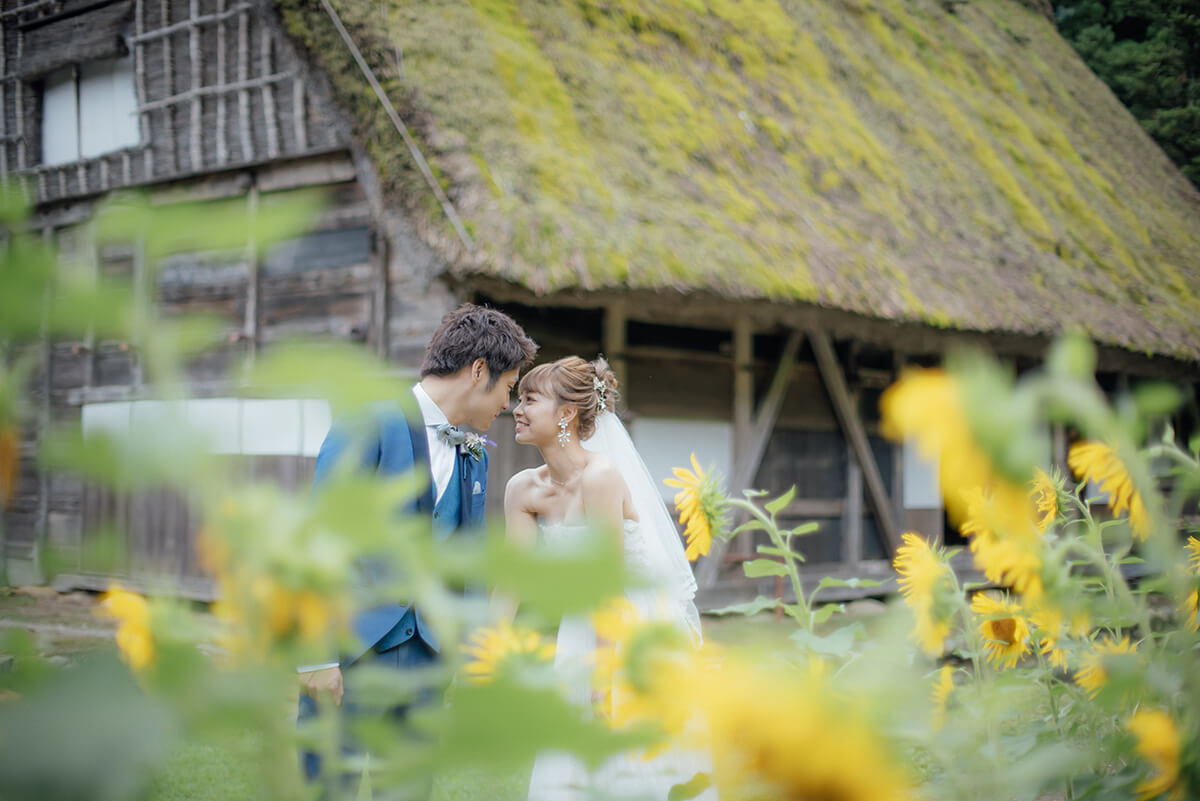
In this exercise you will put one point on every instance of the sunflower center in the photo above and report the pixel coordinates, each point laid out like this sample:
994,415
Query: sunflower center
1004,630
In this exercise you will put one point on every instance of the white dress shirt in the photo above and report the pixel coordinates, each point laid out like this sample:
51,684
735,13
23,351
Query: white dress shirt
441,465
441,454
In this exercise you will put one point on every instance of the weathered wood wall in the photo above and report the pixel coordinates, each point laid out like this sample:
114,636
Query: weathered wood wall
218,87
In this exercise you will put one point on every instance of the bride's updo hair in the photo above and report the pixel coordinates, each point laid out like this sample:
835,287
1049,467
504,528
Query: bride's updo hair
591,387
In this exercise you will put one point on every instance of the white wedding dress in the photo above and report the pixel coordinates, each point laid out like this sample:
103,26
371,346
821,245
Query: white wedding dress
560,776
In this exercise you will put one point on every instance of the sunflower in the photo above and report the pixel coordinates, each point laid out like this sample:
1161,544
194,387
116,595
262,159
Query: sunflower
489,647
926,405
778,733
1158,744
701,507
925,582
1190,608
133,632
1091,675
1045,499
1193,550
1099,464
1004,629
287,611
1051,628
1191,611
1013,558
942,687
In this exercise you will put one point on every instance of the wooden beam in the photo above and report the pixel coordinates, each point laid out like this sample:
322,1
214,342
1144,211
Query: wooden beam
707,310
615,328
856,436
747,466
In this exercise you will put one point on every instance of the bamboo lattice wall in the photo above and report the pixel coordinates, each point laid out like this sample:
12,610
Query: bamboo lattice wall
217,85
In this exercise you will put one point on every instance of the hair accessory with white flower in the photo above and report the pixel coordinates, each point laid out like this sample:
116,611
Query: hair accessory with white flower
601,390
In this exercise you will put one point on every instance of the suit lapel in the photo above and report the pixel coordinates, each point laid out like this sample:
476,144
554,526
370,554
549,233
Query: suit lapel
420,446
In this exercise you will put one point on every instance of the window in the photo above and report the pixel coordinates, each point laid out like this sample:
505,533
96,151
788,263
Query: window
248,426
88,110
666,443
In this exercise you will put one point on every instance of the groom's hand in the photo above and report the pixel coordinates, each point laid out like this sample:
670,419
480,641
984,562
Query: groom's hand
319,682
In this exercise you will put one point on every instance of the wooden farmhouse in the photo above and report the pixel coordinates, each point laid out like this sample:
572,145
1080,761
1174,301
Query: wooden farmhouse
758,210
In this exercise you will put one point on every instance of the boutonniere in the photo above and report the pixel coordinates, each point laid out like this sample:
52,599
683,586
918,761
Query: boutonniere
473,444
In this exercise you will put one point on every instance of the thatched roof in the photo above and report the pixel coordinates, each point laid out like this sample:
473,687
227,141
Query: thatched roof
950,162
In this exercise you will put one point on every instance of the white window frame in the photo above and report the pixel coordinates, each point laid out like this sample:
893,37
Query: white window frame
102,111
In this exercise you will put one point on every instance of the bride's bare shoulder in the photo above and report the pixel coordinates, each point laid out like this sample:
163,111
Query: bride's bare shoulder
522,481
601,473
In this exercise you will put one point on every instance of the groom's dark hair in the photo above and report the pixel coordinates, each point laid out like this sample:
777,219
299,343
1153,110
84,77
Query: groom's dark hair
473,332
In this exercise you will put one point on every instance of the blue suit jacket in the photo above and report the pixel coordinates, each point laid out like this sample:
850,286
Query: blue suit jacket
394,445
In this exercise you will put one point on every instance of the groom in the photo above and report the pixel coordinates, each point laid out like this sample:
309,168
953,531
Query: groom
470,368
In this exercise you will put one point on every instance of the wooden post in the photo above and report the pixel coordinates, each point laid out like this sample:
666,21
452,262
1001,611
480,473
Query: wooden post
169,78
270,117
19,111
139,71
747,466
856,436
243,75
197,106
615,325
743,403
852,513
898,362
382,318
299,118
1058,447
222,134
3,149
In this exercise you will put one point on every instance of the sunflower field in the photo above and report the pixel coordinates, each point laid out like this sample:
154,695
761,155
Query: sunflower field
1067,670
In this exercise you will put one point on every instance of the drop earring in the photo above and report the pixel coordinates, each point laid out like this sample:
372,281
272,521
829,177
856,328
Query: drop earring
564,436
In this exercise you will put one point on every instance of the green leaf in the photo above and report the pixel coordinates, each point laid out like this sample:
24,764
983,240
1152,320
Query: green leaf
481,730
1156,399
757,568
825,612
691,788
830,581
837,643
759,604
753,524
775,506
346,376
1133,560
561,581
806,528
1072,356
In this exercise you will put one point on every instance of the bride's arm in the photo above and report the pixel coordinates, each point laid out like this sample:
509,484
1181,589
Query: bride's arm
520,527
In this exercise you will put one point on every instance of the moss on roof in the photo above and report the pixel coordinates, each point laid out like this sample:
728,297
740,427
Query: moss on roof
887,157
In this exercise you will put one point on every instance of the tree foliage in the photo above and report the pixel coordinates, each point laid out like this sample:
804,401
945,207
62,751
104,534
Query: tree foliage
1148,52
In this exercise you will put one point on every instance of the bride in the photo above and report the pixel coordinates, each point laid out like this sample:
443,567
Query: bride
594,479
